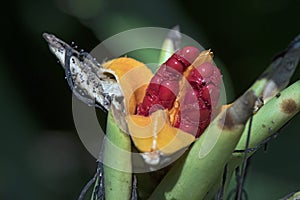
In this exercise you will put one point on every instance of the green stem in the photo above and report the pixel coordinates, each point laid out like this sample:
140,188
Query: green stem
117,163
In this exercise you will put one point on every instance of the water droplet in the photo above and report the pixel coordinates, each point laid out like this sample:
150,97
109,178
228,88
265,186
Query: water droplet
72,43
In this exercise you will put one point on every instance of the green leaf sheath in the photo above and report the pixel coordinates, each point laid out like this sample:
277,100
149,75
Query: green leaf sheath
117,163
273,115
170,44
267,121
193,177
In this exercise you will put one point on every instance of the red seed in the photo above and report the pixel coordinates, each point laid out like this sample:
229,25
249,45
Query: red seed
204,83
188,53
190,97
173,63
166,95
205,113
188,127
206,70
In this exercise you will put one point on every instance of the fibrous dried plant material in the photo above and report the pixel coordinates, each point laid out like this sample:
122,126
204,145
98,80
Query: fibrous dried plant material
278,74
88,80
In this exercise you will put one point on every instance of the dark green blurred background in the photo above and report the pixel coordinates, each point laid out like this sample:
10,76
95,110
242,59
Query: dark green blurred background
41,154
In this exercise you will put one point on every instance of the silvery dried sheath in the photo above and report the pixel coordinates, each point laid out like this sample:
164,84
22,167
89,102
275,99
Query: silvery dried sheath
88,80
282,68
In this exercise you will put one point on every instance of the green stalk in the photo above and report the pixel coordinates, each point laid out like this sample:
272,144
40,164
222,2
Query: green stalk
193,177
117,163
266,122
273,115
276,113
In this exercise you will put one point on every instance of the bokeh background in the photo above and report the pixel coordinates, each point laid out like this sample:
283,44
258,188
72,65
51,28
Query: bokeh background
41,154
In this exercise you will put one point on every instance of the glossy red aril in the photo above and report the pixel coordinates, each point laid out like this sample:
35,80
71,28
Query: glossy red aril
199,94
164,86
